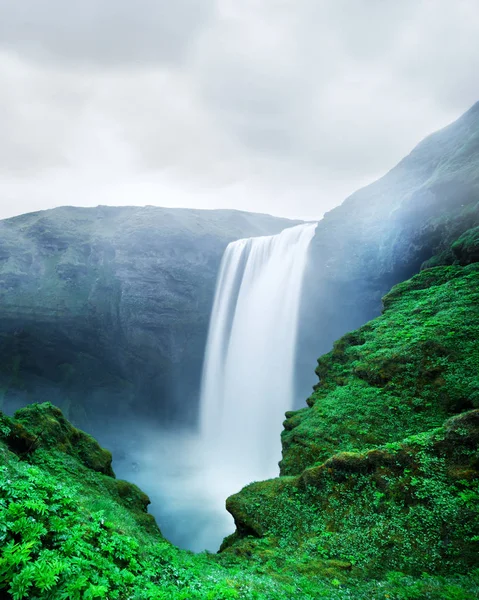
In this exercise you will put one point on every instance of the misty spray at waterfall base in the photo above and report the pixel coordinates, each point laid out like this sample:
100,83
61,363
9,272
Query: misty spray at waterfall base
247,386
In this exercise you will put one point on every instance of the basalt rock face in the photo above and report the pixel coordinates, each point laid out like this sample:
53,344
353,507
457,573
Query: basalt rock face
104,311
383,233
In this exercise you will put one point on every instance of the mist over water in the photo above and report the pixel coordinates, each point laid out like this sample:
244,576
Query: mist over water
188,504
248,385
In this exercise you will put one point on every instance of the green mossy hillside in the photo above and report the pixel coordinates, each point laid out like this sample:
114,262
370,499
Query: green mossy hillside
401,374
44,425
41,435
411,507
464,251
69,532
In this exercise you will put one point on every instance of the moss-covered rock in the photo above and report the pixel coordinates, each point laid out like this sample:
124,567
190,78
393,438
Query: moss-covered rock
401,374
44,425
464,251
411,506
41,434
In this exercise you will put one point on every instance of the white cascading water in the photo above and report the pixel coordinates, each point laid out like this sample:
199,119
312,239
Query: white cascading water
248,376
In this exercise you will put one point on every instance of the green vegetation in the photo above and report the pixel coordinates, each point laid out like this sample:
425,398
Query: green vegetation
68,531
401,374
463,251
411,507
378,498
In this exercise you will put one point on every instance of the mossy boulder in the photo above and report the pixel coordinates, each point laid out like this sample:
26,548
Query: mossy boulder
402,373
466,249
409,506
44,425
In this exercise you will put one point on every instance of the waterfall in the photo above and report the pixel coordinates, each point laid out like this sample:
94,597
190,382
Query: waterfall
248,376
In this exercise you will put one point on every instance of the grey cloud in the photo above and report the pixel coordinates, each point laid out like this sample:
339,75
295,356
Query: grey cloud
103,32
327,83
282,106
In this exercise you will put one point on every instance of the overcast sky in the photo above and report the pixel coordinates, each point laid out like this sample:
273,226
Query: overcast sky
278,106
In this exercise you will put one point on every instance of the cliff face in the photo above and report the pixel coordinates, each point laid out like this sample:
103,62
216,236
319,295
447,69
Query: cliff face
105,311
383,233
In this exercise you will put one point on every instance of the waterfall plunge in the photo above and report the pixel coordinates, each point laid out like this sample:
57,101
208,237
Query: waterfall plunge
248,375
247,387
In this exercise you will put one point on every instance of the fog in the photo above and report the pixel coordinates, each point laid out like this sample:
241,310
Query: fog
170,465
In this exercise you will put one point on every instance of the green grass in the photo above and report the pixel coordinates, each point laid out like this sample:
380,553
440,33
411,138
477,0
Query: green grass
401,374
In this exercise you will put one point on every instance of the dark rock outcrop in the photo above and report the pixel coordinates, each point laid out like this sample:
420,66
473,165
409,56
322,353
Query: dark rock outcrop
44,426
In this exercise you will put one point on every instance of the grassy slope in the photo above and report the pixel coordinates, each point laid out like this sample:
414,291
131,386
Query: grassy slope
71,531
400,374
409,506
